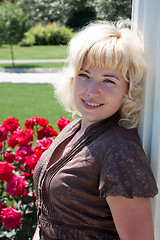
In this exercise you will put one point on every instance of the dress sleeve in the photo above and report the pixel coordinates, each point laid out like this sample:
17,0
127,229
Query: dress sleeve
125,172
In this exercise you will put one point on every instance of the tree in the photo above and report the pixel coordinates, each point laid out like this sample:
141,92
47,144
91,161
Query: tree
46,11
78,16
114,9
41,11
12,25
76,11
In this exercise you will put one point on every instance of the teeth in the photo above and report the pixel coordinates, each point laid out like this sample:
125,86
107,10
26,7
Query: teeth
92,104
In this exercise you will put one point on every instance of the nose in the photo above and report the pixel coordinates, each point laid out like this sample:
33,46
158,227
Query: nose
93,89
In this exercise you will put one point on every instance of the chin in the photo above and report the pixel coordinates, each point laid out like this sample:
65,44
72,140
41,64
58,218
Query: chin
93,120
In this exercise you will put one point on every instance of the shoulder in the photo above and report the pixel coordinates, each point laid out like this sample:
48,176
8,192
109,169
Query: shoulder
125,167
121,134
117,137
125,147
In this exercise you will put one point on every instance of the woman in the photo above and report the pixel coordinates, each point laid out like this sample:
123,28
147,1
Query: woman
94,182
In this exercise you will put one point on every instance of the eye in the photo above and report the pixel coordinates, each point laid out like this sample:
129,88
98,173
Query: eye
109,81
83,75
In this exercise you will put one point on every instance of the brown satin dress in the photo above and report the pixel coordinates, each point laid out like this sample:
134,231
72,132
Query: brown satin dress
107,160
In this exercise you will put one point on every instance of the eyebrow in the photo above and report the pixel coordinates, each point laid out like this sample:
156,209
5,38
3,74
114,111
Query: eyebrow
84,70
111,75
105,75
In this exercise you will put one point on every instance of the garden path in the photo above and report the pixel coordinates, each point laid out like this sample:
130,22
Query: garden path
29,75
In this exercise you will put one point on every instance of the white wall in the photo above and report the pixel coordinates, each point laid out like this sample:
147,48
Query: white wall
146,13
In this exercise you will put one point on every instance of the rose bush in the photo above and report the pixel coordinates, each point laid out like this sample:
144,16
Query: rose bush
62,122
11,217
20,150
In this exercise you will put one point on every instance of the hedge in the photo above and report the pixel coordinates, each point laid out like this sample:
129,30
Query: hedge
49,34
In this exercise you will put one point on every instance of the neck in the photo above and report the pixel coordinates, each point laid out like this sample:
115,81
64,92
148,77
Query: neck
84,125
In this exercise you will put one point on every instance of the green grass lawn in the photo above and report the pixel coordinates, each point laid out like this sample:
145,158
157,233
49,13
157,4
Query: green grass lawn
34,65
34,52
26,100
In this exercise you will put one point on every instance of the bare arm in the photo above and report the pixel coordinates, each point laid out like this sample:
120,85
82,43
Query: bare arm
132,217
36,235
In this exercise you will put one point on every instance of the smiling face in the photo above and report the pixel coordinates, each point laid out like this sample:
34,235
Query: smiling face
98,93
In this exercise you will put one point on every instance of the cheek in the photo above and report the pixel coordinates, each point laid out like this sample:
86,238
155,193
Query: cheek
78,86
110,92
114,95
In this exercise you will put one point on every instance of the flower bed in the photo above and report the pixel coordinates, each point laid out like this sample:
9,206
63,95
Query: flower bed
20,150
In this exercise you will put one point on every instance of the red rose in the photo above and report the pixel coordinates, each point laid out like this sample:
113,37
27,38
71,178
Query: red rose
16,185
12,141
3,133
38,152
22,152
29,123
1,146
27,175
9,156
11,217
62,122
42,121
44,143
11,124
47,131
35,120
2,205
25,136
6,169
31,162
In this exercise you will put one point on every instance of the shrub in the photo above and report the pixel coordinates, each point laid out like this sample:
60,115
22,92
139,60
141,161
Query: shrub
29,40
61,35
49,29
49,34
39,33
34,36
19,153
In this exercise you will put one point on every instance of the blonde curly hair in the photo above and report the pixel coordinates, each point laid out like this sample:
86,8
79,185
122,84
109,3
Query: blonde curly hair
112,46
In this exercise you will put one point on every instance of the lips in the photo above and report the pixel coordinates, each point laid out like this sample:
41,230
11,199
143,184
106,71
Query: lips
91,105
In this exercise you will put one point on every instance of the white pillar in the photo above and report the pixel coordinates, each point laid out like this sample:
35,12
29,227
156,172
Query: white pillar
146,13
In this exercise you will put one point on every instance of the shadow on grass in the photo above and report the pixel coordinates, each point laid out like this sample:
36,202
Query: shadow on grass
20,66
7,67
2,46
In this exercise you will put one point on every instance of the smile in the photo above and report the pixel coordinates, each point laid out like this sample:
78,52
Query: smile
92,104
